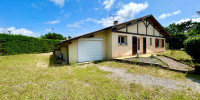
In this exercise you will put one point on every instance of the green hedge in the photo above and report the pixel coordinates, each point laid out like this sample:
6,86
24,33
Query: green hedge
176,41
192,47
18,44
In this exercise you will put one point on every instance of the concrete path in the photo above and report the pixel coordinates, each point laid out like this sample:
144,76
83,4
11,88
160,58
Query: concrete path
170,84
172,64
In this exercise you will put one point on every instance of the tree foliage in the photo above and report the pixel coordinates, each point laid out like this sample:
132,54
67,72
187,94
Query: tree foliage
180,32
53,36
184,27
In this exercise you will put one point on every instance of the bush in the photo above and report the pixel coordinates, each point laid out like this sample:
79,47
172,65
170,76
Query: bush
176,41
18,44
192,47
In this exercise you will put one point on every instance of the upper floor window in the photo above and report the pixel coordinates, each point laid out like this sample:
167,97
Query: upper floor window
122,40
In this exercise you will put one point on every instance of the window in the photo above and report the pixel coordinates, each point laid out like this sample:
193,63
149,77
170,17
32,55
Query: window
122,40
138,43
150,41
159,43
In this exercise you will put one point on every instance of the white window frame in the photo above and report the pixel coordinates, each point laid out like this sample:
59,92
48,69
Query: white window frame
120,41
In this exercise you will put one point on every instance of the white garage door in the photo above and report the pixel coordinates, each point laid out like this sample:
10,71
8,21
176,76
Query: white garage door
90,49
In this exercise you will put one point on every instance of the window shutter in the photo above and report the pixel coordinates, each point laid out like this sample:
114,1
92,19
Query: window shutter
156,43
163,42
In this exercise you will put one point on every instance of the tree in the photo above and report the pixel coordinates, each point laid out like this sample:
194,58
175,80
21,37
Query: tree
184,27
69,37
53,36
176,41
180,32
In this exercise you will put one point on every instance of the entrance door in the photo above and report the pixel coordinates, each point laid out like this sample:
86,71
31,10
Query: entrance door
144,45
134,46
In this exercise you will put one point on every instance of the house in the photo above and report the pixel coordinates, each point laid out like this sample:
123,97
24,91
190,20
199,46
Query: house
142,35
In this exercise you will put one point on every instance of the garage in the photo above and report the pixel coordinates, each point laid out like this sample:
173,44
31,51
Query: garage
90,49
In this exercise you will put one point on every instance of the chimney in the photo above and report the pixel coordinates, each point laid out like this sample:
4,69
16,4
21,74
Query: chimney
115,22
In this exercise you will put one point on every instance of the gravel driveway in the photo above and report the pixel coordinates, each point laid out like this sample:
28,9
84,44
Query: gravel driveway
152,81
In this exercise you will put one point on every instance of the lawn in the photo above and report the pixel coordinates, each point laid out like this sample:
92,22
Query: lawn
33,76
181,56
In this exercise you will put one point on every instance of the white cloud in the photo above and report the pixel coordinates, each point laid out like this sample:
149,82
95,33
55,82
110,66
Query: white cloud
48,30
59,2
53,22
127,12
188,19
21,31
165,15
108,4
119,4
76,24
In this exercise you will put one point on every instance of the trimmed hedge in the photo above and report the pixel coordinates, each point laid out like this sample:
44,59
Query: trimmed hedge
192,47
19,44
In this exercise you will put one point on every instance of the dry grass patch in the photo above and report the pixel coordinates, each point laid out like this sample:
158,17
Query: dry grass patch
181,56
22,78
153,71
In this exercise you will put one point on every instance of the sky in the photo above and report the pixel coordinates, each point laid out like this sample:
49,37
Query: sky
76,17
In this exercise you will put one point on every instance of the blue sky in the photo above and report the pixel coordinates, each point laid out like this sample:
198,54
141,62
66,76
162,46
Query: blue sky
76,17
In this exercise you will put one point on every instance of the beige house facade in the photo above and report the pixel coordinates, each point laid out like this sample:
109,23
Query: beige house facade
143,35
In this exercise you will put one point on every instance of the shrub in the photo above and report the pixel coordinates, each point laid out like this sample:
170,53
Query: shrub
18,44
176,41
192,47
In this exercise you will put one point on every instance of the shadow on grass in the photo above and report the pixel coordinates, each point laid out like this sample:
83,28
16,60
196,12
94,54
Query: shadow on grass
55,62
193,76
101,61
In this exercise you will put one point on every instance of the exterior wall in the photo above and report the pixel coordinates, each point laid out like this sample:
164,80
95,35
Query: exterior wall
157,33
152,48
57,53
109,44
64,52
126,50
150,30
133,28
142,28
73,51
121,50
73,47
123,30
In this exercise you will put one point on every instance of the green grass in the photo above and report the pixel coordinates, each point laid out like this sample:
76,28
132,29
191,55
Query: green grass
181,56
33,76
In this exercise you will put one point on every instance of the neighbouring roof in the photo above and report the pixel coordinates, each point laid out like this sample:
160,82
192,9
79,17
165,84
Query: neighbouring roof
149,17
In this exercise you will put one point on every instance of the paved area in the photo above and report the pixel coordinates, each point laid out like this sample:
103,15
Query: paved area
172,64
170,84
141,55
